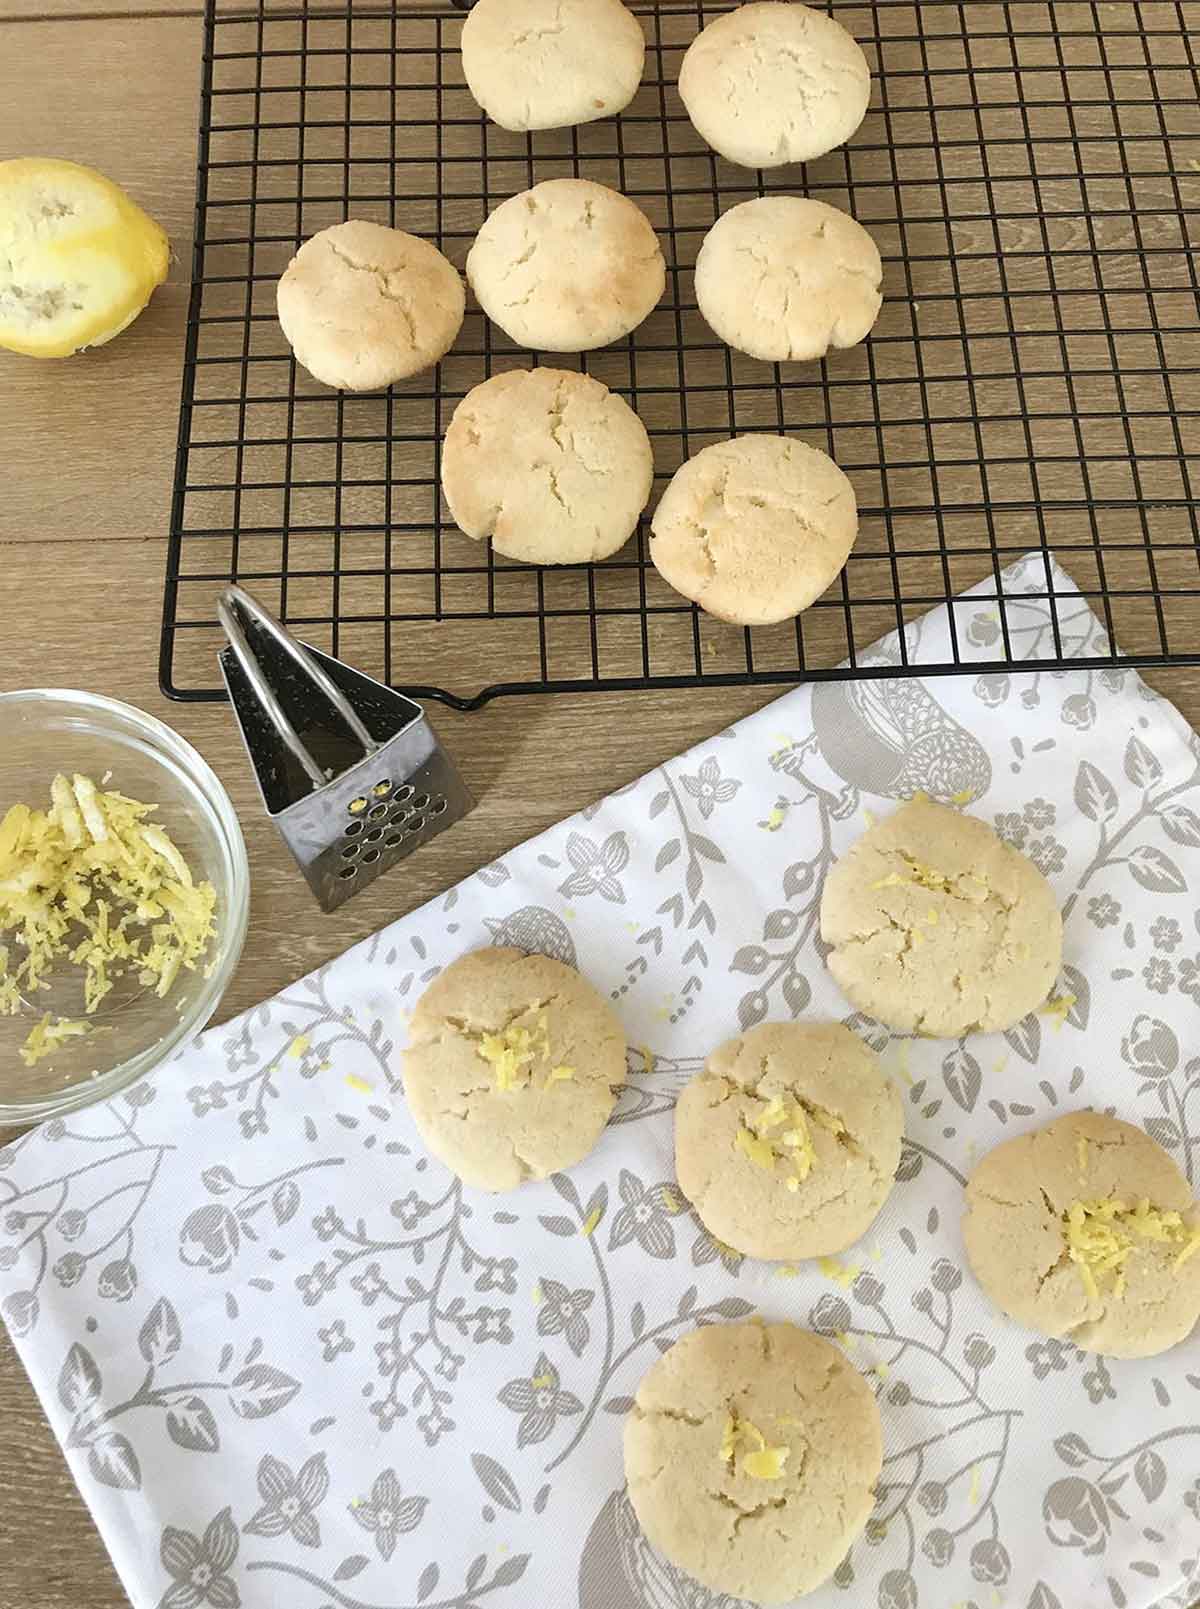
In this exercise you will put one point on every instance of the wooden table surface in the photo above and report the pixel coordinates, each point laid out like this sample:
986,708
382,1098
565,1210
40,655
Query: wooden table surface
88,457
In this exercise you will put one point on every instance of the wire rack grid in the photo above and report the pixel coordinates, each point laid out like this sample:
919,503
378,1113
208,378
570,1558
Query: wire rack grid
1031,173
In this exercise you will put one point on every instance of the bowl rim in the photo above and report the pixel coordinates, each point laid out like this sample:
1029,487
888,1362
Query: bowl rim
22,1112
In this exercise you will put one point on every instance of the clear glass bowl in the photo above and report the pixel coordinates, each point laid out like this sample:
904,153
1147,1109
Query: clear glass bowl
50,730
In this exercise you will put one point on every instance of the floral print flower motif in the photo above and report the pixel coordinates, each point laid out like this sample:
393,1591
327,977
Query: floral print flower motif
868,1290
20,1311
709,789
370,1284
1076,1515
1047,1357
1048,855
1097,1382
499,1274
831,1315
334,1340
252,1122
387,1411
945,1277
492,1324
1012,828
1165,933
1104,911
410,1209
707,1248
977,1352
327,1224
199,1566
210,1238
118,1280
643,1217
9,1257
1079,710
539,1400
434,1424
288,1500
68,1269
938,1547
391,1356
387,1513
448,1364
1191,1498
596,867
1158,974
313,1285
992,689
1189,977
140,1095
562,1312
72,1223
206,1098
1040,814
990,1561
933,1498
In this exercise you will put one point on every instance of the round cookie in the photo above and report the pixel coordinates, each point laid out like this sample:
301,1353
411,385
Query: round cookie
787,1143
774,82
1086,1229
363,305
549,463
567,266
751,1452
754,528
784,279
936,927
535,64
512,1068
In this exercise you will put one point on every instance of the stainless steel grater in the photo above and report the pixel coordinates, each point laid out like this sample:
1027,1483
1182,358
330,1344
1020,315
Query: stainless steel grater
349,770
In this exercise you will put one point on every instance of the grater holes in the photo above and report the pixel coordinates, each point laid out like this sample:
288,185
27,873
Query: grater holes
421,802
393,840
382,789
357,806
371,855
350,851
416,824
377,812
397,813
406,792
374,837
353,830
347,872
438,807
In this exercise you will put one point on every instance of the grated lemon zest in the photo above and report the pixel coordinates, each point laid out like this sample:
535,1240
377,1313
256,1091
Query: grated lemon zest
647,1056
1101,1235
882,1369
300,1046
1059,1008
962,797
541,1381
767,1465
49,1034
670,1200
588,1226
786,1271
360,1084
90,880
537,1294
841,1275
760,1461
760,1152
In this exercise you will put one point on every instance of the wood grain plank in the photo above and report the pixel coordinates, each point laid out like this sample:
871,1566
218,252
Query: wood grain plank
69,423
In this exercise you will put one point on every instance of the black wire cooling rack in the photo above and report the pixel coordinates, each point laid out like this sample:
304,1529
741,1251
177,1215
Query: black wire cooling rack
1031,173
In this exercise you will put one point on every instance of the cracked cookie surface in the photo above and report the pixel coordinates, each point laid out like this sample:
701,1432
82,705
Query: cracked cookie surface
784,278
773,82
567,266
537,64
1087,1230
935,926
512,1067
363,305
755,528
787,1143
751,1453
549,463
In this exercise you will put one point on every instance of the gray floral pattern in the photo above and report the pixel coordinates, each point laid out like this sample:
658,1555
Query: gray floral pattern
279,1340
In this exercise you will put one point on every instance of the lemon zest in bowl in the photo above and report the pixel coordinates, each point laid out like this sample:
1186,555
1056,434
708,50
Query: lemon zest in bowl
92,881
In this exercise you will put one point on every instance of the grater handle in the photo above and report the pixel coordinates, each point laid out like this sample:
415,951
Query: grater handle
235,602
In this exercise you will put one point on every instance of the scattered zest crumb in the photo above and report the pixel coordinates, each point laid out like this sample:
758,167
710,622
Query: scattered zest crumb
360,1084
537,1294
300,1046
882,1369
1059,1008
843,1275
588,1226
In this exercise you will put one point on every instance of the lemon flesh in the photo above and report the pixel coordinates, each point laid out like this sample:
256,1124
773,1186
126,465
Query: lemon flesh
79,259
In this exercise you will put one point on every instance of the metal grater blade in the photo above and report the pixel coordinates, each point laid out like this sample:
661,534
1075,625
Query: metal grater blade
350,771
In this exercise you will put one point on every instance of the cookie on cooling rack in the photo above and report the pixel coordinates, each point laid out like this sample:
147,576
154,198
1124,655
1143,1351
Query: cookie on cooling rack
537,64
513,1066
755,528
783,279
774,82
567,266
549,463
363,305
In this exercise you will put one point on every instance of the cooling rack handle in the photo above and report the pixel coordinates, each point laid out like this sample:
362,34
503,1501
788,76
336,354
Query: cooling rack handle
235,608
